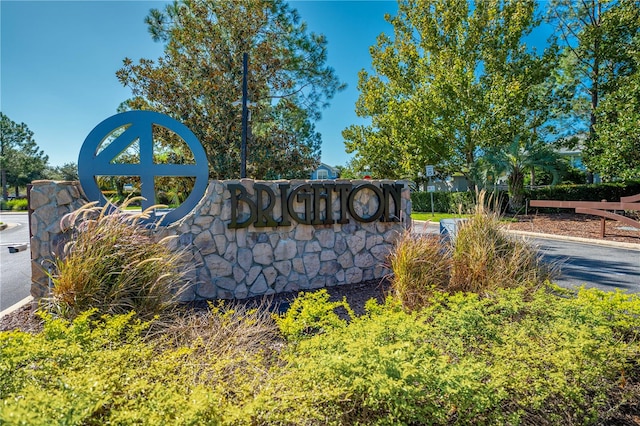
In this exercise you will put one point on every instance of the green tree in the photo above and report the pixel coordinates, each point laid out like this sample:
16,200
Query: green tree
66,172
598,37
21,161
348,171
199,82
456,77
615,153
518,159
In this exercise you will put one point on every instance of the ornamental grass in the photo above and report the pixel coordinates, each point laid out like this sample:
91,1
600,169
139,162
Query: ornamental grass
481,258
114,264
485,258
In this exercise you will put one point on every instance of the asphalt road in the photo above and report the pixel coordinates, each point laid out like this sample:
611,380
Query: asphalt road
592,265
15,268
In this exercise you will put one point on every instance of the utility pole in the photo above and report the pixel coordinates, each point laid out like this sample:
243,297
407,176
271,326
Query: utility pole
245,113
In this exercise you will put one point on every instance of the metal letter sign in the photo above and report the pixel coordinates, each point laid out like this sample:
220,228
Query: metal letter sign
138,126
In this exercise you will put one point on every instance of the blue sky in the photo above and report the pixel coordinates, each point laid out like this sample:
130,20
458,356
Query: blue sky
58,62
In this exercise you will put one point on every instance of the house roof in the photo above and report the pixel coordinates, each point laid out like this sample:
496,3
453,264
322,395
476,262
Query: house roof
326,166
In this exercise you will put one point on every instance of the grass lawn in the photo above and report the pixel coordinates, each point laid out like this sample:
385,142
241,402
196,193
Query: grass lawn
436,217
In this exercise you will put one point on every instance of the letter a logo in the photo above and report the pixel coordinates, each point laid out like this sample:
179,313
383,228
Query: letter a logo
127,145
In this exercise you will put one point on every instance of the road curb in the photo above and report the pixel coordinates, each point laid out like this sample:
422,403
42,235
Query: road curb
5,226
617,244
16,306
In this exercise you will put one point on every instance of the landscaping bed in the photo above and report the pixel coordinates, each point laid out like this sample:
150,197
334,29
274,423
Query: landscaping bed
574,225
474,334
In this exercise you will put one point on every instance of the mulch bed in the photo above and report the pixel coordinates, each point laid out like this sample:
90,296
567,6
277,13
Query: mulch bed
575,225
357,295
23,319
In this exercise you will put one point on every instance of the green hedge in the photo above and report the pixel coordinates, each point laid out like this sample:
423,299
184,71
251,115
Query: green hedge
15,205
445,202
449,202
453,202
595,192
612,191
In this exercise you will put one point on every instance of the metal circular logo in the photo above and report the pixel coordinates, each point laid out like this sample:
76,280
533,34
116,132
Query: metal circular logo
136,128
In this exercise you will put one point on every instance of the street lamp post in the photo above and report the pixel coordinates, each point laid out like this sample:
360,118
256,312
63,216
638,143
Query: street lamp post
243,146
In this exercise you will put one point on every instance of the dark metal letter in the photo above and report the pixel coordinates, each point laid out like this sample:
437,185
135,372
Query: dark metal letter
395,191
284,189
302,195
235,198
264,213
319,194
352,210
343,191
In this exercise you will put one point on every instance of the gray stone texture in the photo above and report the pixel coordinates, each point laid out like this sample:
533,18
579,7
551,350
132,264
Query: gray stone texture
245,262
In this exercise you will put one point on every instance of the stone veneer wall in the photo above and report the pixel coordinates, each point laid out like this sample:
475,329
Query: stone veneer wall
246,262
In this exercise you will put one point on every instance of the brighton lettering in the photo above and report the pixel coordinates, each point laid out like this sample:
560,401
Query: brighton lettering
317,200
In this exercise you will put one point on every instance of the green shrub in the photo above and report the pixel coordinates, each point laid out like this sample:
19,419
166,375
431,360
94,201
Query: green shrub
19,204
514,358
115,264
463,202
612,191
311,313
445,202
196,368
90,372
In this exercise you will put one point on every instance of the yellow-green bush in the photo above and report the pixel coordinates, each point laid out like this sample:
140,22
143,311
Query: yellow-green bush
19,204
196,369
88,372
515,357
312,313
509,359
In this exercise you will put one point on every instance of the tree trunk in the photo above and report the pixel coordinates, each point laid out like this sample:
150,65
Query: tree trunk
533,176
594,94
516,190
3,178
119,188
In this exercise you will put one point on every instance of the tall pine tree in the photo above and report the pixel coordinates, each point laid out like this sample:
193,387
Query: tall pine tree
199,82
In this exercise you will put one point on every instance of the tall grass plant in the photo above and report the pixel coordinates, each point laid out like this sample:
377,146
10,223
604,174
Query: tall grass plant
115,264
420,264
481,258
